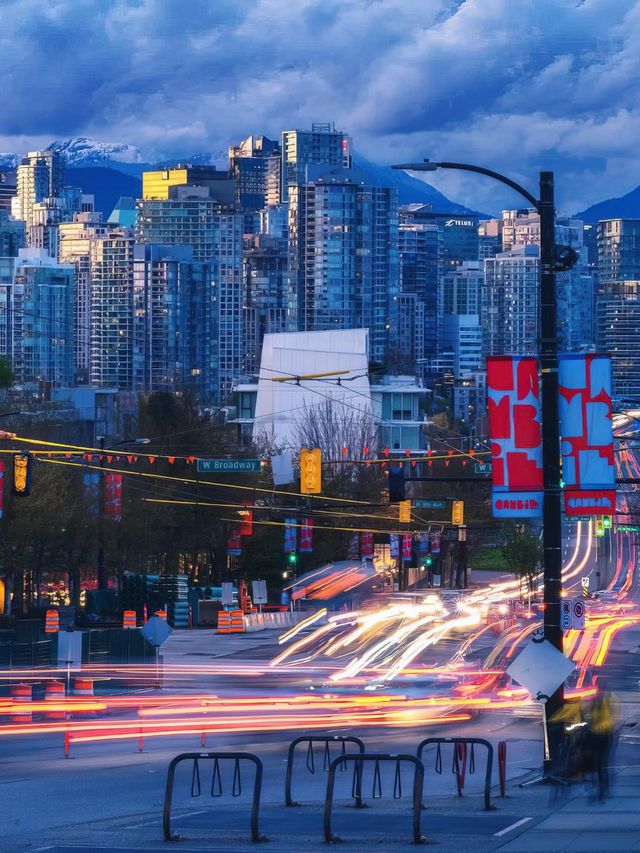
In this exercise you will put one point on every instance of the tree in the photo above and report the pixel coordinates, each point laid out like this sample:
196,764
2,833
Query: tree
522,551
6,374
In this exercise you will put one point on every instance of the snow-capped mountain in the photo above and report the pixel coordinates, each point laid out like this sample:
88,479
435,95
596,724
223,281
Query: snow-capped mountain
83,151
8,162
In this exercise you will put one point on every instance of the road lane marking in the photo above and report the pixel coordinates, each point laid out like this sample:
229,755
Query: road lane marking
173,819
513,826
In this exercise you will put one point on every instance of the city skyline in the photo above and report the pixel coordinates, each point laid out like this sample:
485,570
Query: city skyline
555,85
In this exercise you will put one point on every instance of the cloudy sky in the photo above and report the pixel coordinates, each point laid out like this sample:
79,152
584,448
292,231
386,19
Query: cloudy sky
516,85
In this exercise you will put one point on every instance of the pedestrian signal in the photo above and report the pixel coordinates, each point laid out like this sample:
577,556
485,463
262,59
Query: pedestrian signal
404,510
457,512
311,471
22,474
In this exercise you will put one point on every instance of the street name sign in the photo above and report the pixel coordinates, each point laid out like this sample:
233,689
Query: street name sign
483,467
228,466
425,504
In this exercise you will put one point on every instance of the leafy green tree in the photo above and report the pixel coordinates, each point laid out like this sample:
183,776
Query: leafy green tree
6,374
522,551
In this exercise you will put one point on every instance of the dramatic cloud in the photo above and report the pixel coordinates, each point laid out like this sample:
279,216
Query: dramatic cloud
516,86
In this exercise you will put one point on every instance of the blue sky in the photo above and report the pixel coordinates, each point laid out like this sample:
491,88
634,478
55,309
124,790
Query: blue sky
516,85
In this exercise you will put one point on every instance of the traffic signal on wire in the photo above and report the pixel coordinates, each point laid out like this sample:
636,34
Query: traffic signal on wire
457,512
22,474
311,471
404,511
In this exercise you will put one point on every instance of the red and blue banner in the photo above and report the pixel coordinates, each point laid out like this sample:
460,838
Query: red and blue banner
586,429
513,401
290,535
306,536
394,544
366,545
407,547
234,542
113,496
1,487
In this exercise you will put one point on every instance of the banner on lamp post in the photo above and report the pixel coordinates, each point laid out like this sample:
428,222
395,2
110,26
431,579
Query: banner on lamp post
113,496
513,402
290,536
366,545
306,536
586,430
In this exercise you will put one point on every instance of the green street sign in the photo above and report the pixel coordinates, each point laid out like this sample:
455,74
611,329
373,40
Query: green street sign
228,466
627,528
420,504
483,467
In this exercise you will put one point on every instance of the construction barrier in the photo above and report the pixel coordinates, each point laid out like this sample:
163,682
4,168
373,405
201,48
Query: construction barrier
216,784
162,614
83,687
236,624
502,767
21,694
51,622
224,622
265,621
129,619
54,691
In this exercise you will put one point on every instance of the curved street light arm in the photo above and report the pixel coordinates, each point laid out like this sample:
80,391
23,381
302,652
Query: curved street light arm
465,167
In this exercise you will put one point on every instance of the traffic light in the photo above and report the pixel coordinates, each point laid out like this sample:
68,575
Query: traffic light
293,559
404,511
428,561
396,484
607,521
22,474
311,471
599,527
457,512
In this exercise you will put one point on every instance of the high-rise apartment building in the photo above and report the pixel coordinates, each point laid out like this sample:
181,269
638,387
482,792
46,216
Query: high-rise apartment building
193,216
419,252
510,304
462,288
618,302
12,235
175,335
8,189
78,244
343,257
323,146
37,318
39,176
618,251
158,184
111,310
265,277
250,167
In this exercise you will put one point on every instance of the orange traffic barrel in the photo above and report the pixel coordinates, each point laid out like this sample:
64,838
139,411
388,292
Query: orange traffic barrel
129,619
224,622
161,613
51,622
54,692
83,687
236,625
21,694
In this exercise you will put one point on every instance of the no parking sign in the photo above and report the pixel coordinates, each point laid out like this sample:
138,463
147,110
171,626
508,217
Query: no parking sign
578,614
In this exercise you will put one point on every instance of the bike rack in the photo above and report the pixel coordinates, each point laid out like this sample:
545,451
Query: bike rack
460,745
344,740
358,758
216,784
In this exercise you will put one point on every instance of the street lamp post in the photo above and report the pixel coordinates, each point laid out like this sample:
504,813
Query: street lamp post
103,580
551,507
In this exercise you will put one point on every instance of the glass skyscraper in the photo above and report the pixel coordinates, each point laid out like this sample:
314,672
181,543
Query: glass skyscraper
343,257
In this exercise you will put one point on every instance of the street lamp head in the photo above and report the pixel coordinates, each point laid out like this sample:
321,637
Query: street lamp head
425,166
